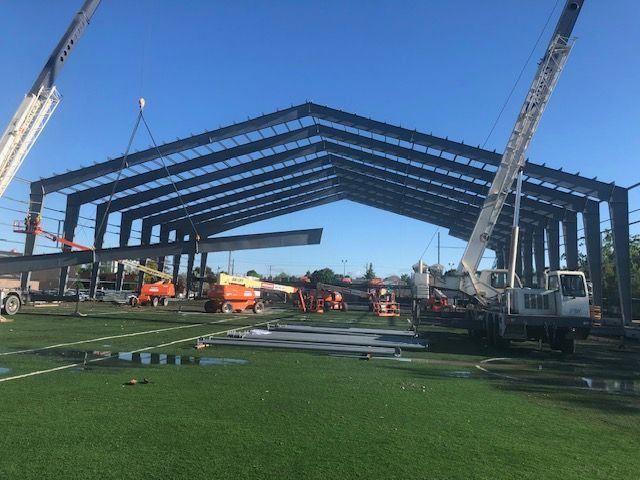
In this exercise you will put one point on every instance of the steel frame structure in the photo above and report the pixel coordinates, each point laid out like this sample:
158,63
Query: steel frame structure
308,155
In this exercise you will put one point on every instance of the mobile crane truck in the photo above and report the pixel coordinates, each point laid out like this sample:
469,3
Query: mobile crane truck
501,310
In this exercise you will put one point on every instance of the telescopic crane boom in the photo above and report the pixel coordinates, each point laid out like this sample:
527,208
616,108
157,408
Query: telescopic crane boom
513,159
38,105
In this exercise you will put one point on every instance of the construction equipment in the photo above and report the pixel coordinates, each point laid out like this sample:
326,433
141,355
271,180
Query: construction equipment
39,104
502,310
382,300
234,293
151,293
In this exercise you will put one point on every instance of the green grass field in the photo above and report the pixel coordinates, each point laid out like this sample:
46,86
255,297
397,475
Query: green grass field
305,415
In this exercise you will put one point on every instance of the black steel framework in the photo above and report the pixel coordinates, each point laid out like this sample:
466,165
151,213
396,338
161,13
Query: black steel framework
309,155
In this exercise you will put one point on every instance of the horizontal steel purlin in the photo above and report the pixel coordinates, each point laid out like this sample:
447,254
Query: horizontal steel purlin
221,244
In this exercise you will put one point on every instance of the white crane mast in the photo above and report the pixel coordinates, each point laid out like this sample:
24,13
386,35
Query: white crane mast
41,101
513,159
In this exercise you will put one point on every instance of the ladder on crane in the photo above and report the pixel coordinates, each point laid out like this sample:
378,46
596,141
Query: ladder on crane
513,159
39,104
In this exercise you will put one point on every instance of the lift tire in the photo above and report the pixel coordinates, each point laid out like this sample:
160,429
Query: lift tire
210,306
258,307
11,305
567,345
155,301
328,305
227,307
165,302
133,301
344,307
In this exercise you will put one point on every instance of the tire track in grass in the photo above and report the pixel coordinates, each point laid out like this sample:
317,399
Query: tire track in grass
100,359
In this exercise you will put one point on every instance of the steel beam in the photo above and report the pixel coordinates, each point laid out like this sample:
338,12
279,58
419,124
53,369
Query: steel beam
221,244
221,156
539,171
195,209
69,179
593,241
208,221
253,180
447,208
304,205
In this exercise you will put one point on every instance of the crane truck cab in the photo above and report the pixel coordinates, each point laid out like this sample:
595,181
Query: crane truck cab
571,292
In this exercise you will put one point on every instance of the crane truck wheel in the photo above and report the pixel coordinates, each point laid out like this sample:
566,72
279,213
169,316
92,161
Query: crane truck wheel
344,307
567,345
11,304
258,307
227,307
165,302
155,301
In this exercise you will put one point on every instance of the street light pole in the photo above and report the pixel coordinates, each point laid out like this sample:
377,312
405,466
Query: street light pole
344,268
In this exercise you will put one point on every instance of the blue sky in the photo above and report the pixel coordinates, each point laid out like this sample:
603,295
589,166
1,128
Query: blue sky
438,66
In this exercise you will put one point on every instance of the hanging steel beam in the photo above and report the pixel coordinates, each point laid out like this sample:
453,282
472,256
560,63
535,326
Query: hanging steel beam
238,242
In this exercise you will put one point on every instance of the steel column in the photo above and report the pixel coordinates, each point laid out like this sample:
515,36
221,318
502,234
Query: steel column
203,271
71,217
180,236
619,214
125,235
538,249
36,199
593,241
164,239
553,244
145,240
189,279
527,258
570,229
102,219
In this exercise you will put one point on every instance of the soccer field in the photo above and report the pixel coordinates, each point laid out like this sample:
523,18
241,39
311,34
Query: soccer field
460,410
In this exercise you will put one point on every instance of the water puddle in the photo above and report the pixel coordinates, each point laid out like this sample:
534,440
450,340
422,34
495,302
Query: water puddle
4,371
612,386
460,374
107,357
573,375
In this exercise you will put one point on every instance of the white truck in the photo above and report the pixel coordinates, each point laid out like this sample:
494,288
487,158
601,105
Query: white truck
501,309
11,300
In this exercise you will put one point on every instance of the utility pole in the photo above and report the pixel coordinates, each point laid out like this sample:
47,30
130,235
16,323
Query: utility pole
270,271
344,267
229,264
438,248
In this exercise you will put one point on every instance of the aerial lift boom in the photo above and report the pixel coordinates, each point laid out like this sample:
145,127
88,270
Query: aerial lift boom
513,159
38,105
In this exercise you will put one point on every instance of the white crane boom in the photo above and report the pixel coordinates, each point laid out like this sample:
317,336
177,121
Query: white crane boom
513,159
41,101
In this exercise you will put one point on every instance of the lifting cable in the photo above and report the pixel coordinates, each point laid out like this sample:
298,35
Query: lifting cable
164,165
124,165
